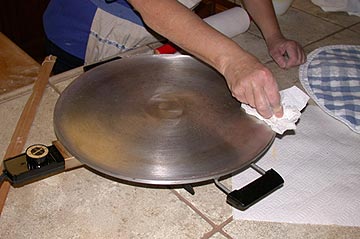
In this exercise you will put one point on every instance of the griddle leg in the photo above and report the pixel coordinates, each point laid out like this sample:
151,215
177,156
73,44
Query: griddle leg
189,189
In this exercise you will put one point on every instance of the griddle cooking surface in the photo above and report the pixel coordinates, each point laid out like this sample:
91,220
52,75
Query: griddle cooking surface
158,120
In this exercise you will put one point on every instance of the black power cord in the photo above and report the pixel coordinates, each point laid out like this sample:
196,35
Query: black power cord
2,178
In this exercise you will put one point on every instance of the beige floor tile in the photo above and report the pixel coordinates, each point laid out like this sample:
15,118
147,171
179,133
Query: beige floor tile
356,28
218,236
210,201
345,37
61,81
42,130
82,204
302,27
10,112
61,86
253,44
269,230
339,18
285,77
12,95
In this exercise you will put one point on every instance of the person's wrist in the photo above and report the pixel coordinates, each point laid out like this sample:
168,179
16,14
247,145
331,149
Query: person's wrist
274,38
236,57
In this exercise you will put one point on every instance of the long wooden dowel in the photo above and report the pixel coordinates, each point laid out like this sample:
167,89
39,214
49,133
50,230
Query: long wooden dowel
26,119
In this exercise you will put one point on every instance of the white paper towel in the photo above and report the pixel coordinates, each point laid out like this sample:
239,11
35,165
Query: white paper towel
352,7
231,22
293,101
320,164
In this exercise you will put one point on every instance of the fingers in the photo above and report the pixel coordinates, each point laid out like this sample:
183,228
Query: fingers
279,57
262,103
258,99
252,83
267,103
280,60
274,98
250,98
288,54
295,55
269,100
260,91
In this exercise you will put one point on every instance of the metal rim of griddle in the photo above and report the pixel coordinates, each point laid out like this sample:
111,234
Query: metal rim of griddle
98,122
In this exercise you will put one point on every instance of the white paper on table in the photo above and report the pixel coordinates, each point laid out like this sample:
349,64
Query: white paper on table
320,165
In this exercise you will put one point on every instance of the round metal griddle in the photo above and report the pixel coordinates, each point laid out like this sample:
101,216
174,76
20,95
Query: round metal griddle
158,120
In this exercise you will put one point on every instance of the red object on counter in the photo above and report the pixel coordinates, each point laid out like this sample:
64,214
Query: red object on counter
167,48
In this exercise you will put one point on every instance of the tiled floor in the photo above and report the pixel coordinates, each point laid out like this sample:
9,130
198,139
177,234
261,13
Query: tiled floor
83,204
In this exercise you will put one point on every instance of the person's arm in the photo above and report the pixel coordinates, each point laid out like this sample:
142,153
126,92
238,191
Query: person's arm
286,53
249,81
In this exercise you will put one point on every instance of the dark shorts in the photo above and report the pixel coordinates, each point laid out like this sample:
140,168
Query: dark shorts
64,60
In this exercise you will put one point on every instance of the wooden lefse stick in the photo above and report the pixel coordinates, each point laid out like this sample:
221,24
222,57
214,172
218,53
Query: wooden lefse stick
26,119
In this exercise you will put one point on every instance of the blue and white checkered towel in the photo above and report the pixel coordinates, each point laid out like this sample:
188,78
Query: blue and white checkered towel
331,77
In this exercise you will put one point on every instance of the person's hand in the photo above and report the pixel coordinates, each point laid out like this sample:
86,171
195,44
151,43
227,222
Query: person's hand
286,53
252,83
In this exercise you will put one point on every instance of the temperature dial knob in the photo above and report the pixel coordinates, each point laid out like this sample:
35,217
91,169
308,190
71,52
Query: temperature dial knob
37,154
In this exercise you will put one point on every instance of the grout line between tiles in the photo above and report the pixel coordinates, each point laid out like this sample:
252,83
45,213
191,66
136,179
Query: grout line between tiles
322,38
54,88
321,18
15,94
193,208
55,79
222,225
219,228
352,25
216,228
255,35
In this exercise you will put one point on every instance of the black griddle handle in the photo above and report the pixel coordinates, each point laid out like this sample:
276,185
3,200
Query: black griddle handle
255,191
89,67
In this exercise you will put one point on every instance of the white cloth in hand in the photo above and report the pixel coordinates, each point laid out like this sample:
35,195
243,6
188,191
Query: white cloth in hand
293,101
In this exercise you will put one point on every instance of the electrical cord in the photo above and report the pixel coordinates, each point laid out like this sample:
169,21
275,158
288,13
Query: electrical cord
3,177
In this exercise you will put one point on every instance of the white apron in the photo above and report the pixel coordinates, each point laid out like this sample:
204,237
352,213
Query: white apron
111,35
